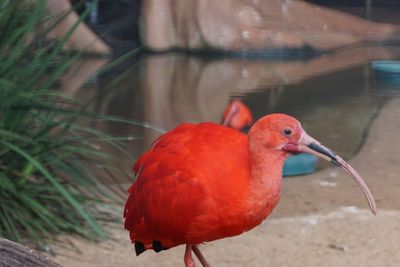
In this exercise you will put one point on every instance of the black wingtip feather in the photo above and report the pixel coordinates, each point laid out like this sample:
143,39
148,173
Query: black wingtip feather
139,248
157,246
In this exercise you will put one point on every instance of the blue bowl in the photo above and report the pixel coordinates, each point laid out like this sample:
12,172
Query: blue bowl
387,74
300,164
386,66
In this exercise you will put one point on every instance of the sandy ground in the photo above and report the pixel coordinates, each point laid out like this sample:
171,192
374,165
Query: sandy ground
321,220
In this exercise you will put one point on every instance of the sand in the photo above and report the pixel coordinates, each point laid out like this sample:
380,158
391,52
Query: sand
321,220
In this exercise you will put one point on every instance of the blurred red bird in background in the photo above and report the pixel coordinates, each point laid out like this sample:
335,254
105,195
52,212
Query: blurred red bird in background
202,182
237,116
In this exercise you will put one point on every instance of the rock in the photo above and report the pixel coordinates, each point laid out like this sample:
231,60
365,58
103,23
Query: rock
82,38
253,25
15,255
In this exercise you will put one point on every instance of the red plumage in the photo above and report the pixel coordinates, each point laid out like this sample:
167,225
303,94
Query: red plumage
173,199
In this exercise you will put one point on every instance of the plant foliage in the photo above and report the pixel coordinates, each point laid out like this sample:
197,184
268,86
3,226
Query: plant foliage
47,185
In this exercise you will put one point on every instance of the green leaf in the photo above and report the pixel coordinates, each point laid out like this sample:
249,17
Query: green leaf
58,186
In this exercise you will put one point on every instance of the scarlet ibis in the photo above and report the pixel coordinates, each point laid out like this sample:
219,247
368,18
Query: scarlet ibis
237,115
202,182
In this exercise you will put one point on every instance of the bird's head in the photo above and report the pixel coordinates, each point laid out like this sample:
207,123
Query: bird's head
237,115
283,133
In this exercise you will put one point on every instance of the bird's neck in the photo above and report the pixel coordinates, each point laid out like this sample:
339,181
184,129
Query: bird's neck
266,179
266,171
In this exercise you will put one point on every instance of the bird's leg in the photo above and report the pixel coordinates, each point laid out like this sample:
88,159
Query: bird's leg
200,256
189,262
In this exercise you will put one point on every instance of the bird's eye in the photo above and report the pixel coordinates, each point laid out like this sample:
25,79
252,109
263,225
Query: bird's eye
287,131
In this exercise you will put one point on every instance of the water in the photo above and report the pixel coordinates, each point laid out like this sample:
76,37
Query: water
335,96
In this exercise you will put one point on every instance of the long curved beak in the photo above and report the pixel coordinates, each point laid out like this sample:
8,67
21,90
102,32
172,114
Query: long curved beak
309,145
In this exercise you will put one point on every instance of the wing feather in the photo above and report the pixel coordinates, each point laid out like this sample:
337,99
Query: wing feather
175,183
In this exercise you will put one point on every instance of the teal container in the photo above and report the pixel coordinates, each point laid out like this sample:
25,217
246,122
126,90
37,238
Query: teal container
387,71
386,66
300,164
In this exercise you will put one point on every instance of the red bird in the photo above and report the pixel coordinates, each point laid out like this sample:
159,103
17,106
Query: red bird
237,115
202,182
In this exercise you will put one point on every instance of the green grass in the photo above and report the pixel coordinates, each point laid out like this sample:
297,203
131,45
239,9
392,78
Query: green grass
47,158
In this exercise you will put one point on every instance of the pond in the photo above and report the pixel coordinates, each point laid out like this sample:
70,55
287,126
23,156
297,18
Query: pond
335,95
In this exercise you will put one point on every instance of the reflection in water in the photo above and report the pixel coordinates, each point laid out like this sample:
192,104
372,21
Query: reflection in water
332,95
79,73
